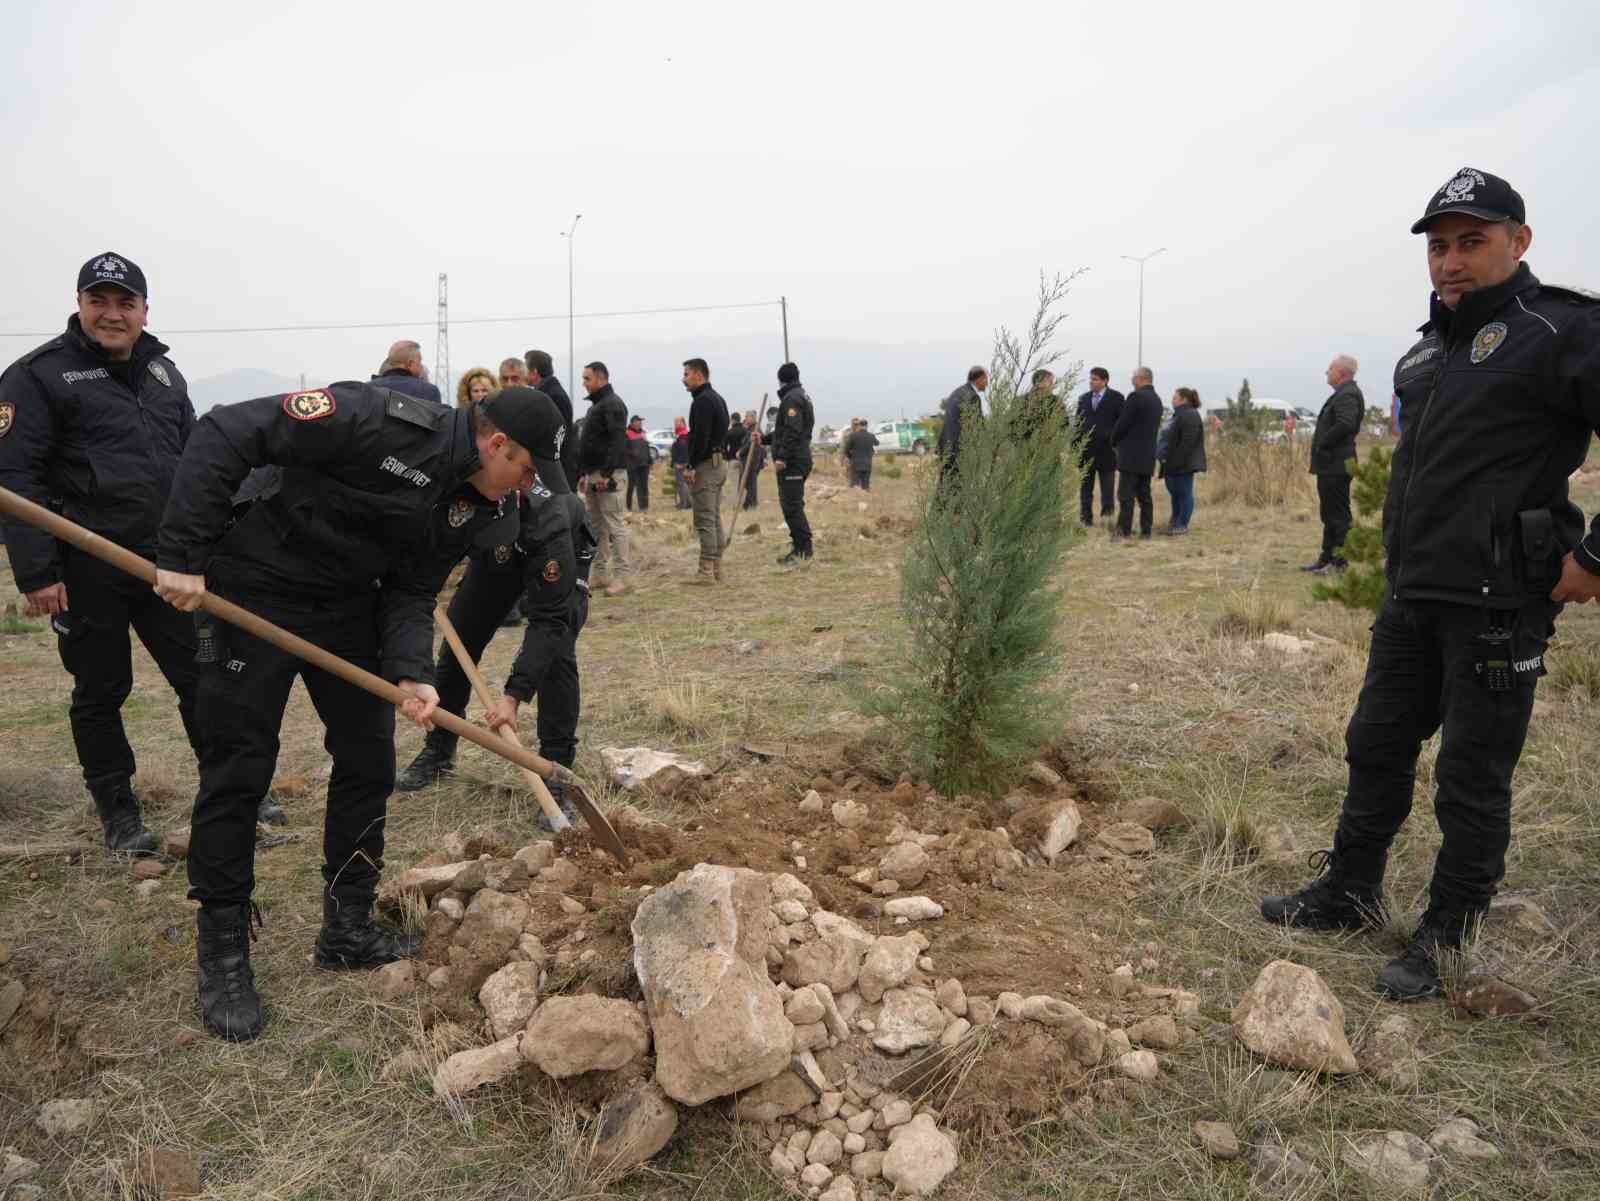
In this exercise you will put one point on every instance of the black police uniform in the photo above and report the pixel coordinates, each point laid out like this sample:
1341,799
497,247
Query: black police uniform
543,553
791,445
98,441
1498,401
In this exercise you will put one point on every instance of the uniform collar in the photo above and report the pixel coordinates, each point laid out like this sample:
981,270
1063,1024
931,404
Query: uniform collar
147,347
464,458
697,393
1475,306
600,393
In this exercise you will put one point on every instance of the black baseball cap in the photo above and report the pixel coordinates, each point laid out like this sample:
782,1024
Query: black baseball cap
1477,194
530,418
115,269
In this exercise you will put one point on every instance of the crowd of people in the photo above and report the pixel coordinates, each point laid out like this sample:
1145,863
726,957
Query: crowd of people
338,512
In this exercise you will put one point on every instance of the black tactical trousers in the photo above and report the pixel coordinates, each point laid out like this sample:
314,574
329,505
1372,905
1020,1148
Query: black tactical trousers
486,593
1106,473
240,705
792,500
92,637
1135,487
1333,501
860,477
750,489
1422,677
639,487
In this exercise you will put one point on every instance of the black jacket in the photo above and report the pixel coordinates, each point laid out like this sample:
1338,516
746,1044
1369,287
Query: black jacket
754,450
401,380
858,449
680,450
791,435
603,443
1496,406
1334,441
637,452
708,424
1186,443
733,447
1094,426
962,401
365,489
96,440
1135,432
551,387
548,539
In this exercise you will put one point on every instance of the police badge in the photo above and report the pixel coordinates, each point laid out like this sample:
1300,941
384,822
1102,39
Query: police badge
460,512
160,372
8,417
309,406
552,571
502,555
1488,340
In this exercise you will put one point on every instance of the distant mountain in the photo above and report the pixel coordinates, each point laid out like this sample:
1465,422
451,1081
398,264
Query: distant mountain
241,383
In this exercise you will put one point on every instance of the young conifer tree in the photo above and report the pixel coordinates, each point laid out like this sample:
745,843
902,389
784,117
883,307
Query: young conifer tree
1361,584
975,689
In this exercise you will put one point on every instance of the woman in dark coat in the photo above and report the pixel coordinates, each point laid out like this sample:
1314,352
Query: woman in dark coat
1185,457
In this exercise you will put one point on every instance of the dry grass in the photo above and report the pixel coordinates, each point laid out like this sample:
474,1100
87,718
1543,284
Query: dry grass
1243,742
1259,474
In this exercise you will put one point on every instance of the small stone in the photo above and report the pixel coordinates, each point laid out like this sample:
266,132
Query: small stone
509,997
1281,1169
14,1169
569,1035
1160,1032
914,909
1217,1139
467,1070
1127,838
1050,1011
908,1018
1044,775
176,843
451,907
1139,1065
803,1007
826,1148
919,1158
634,1126
536,856
867,1165
885,888
1486,996
850,815
572,907
812,802
396,980
786,888
145,889
896,1113
161,1173
782,1096
560,876
840,1188
105,905
1117,1044
1153,813
1292,1019
439,978
148,869
1462,1137
790,912
1519,913
782,1163
954,1032
1010,1004
186,1038
815,1175
906,863
66,1116
1394,1159
1390,1054
952,996
829,1103
981,1011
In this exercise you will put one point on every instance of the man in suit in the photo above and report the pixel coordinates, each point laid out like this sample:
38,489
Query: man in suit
965,401
1098,410
1332,446
542,375
1134,437
402,371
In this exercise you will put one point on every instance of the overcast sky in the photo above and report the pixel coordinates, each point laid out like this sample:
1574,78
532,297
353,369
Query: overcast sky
900,171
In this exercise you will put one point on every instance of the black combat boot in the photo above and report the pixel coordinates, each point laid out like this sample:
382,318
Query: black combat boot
1414,973
1338,899
351,939
230,1007
793,557
434,760
559,795
118,807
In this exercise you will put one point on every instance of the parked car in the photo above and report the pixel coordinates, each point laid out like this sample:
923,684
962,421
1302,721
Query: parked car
904,437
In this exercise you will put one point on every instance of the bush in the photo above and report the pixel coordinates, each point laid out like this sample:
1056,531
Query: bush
1361,585
975,694
893,471
1257,473
1250,613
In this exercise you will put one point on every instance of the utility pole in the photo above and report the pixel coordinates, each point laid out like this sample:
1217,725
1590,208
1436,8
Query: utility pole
570,236
1142,261
784,301
441,350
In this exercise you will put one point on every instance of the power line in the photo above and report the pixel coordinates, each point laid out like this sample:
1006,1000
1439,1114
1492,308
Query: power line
291,329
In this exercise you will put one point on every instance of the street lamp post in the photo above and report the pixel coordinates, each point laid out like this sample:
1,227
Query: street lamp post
1142,260
570,236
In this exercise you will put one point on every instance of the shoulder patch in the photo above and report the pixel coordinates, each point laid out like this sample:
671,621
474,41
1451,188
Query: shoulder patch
160,372
309,406
551,572
422,413
8,417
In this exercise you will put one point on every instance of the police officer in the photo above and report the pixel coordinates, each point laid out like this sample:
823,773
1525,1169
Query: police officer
368,498
1499,397
791,459
92,424
542,552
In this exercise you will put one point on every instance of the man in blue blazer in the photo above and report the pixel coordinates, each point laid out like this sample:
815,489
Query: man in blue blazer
1098,410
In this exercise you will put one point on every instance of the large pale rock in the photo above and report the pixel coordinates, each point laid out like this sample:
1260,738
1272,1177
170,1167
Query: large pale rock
1142,1066
1390,1054
909,1017
833,957
1291,1018
914,909
634,1126
1217,1139
1049,1011
851,815
571,1035
1127,838
394,980
785,1094
634,767
467,1070
889,963
804,1006
1394,1160
426,880
1160,1032
484,940
1050,827
510,996
905,863
66,1116
920,1157
700,951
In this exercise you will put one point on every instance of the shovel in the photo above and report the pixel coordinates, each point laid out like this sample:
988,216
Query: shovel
744,475
125,560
